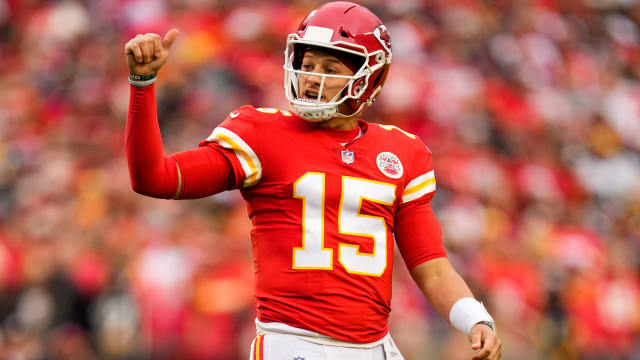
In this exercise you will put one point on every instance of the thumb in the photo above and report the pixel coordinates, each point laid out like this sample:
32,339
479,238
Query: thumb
170,37
475,338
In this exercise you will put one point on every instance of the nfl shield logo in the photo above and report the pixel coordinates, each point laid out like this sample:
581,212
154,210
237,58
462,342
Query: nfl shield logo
347,156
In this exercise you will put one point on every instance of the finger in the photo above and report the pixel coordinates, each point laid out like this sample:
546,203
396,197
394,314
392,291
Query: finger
169,38
498,352
146,53
490,346
475,338
151,44
481,354
134,48
490,341
157,45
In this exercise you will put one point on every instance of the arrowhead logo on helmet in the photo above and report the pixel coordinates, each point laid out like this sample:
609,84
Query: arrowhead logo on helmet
383,36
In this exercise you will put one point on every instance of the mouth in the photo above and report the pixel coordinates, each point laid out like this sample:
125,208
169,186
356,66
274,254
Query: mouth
312,95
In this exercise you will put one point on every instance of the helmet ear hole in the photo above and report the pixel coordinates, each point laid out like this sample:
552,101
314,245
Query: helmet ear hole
358,87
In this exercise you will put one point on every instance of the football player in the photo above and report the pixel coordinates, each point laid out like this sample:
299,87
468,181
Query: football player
327,193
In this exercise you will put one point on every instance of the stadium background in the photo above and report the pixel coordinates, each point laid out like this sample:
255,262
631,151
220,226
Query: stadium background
531,108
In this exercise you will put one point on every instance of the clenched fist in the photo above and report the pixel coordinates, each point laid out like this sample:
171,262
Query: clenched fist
486,343
147,53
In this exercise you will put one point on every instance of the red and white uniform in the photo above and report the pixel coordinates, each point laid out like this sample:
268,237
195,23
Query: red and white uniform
325,206
324,216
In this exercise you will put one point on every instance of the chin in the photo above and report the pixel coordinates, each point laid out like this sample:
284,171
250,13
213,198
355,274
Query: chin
318,121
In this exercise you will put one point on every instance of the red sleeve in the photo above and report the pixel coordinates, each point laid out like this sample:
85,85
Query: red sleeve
204,171
418,233
190,174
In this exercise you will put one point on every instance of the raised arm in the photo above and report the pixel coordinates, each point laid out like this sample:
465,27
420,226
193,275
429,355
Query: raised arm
191,174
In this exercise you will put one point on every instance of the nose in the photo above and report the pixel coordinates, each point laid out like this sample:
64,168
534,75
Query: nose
314,79
315,74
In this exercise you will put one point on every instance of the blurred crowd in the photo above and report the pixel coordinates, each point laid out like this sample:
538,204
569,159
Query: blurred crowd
531,109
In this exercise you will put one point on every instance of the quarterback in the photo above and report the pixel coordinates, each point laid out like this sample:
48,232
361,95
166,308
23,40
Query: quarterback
327,193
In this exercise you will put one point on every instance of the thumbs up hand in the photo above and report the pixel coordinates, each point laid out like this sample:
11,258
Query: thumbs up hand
147,53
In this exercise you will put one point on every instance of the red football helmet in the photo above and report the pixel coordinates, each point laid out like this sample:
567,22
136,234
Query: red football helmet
352,32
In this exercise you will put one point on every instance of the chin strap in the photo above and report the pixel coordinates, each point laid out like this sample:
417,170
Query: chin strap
314,113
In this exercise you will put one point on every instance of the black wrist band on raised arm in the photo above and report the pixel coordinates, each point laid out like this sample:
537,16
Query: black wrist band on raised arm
134,77
142,80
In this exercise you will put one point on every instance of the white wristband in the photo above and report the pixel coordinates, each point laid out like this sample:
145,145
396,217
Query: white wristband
467,312
142,83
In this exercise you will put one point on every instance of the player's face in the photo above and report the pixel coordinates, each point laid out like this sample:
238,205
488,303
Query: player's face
322,63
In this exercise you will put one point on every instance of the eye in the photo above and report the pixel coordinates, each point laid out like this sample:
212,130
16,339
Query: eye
331,71
307,67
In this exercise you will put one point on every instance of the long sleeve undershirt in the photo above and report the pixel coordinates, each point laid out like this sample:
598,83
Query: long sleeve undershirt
189,174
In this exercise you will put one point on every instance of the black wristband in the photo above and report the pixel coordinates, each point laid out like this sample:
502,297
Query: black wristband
488,323
135,77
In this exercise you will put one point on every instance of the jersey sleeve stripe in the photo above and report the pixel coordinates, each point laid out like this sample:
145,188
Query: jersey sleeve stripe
419,186
179,188
418,194
247,157
414,184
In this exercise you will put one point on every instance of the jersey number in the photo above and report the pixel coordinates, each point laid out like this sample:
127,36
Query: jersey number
310,187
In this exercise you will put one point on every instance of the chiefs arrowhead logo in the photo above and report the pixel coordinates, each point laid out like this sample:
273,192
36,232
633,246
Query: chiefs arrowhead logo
389,164
383,36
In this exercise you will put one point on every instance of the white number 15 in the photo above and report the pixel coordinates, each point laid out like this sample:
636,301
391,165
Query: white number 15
310,187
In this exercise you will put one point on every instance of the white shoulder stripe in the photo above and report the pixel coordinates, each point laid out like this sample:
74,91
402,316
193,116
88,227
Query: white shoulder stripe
419,186
425,190
419,180
246,156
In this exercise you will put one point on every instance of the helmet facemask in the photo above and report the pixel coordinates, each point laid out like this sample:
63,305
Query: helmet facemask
317,110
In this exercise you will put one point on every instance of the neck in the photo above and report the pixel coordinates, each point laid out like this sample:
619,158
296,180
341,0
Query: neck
349,123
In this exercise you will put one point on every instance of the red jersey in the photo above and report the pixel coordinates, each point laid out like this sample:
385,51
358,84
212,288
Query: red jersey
323,210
